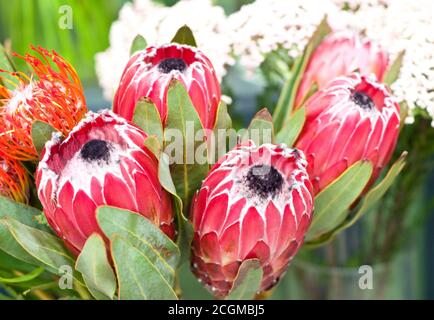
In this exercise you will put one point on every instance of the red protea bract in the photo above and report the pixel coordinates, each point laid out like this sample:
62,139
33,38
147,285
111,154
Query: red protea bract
353,118
256,203
150,72
14,181
103,161
340,54
53,94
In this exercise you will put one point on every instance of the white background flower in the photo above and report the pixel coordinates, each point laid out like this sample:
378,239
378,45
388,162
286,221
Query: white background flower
261,27
158,24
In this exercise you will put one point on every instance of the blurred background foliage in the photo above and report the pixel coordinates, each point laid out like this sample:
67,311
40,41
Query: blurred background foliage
25,22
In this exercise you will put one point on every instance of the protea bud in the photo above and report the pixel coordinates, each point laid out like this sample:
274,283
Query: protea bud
340,54
103,161
53,94
14,181
256,203
149,74
353,118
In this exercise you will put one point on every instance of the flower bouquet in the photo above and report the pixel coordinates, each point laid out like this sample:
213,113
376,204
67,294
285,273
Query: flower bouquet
110,205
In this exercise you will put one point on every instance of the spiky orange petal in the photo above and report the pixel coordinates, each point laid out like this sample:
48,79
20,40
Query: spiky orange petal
53,94
14,181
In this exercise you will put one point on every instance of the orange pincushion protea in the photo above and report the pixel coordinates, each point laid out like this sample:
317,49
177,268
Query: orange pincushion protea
53,94
14,181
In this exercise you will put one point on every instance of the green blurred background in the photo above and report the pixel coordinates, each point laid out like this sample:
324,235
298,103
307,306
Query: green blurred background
25,22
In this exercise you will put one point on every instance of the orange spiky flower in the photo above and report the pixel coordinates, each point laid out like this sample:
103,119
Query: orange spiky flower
52,94
14,181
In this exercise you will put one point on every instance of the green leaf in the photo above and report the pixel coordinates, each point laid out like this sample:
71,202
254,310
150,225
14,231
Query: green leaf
260,130
24,278
26,215
185,227
376,193
393,71
138,277
333,202
166,179
20,212
184,35
151,142
187,173
9,245
285,104
403,113
223,119
95,268
139,43
248,281
147,117
220,141
46,249
41,133
159,250
290,132
8,262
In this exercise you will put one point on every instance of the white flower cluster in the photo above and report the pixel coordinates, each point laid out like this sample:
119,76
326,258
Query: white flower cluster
265,25
261,27
402,25
158,24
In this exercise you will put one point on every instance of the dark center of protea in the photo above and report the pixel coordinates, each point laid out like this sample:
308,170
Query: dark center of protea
264,180
170,64
363,100
95,150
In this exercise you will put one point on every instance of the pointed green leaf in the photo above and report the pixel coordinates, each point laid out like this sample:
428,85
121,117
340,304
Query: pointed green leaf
368,202
185,227
47,249
153,145
223,119
9,245
260,129
393,71
165,177
403,114
26,215
20,212
139,43
143,235
184,35
95,268
290,132
219,142
138,277
9,262
147,117
376,193
332,203
24,278
248,281
41,133
182,124
285,104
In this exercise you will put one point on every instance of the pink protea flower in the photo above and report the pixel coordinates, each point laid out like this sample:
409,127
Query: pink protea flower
340,54
256,203
53,94
103,161
14,181
351,119
150,72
